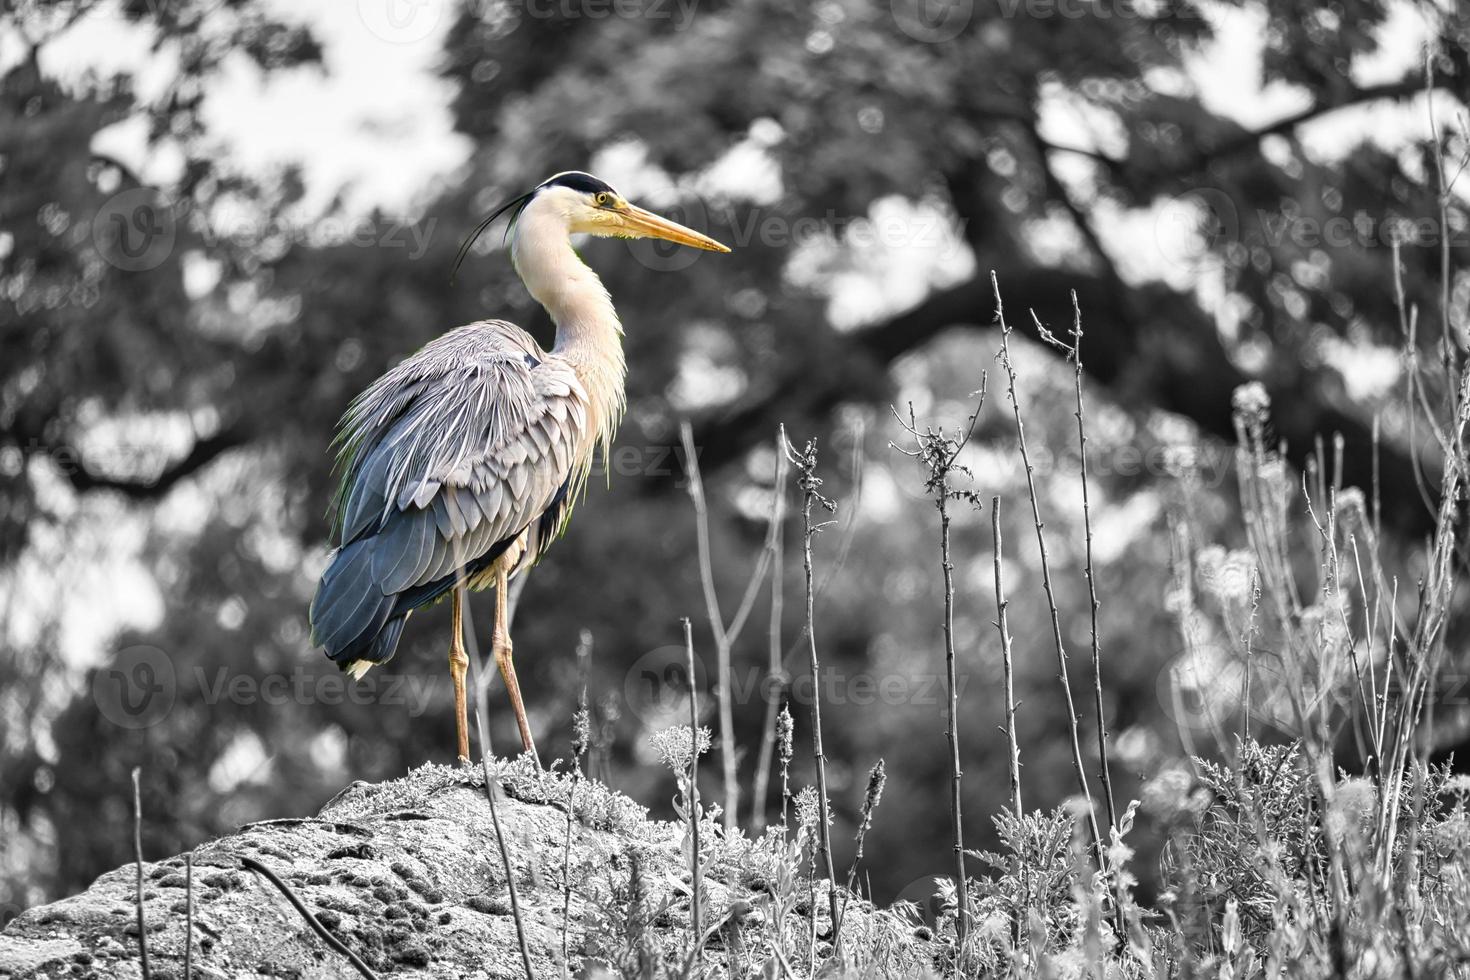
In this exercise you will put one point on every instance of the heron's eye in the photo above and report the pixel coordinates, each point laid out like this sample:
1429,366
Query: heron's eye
603,199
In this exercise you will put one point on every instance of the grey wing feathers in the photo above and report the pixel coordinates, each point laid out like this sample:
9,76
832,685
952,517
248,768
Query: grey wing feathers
452,452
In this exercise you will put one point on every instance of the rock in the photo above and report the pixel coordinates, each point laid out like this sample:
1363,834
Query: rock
408,875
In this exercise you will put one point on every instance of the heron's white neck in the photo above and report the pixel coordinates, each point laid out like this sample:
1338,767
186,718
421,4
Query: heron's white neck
588,333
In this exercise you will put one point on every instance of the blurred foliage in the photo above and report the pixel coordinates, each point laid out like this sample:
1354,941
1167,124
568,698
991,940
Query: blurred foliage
164,416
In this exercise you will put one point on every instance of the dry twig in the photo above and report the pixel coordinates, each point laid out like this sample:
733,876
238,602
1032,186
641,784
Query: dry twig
938,452
776,675
1013,750
189,916
697,953
138,857
306,913
805,462
1046,581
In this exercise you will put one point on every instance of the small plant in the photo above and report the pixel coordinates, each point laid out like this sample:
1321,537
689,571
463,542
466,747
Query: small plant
679,749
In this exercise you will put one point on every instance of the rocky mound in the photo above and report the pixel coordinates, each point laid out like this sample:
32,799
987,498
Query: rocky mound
408,875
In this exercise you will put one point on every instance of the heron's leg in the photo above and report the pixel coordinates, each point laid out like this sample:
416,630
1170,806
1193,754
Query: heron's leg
459,662
501,647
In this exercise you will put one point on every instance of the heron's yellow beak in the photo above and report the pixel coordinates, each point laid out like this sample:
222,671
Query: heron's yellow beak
639,223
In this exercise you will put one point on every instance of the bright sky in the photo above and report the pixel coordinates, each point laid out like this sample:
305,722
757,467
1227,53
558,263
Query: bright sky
375,123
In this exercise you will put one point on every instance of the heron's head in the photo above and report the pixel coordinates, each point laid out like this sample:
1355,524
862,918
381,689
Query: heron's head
591,206
574,203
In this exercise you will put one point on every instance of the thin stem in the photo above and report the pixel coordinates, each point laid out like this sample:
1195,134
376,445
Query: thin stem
877,779
806,463
581,737
1056,621
138,856
938,452
952,729
189,916
1007,667
775,671
724,636
1442,188
717,628
1104,772
1102,725
694,811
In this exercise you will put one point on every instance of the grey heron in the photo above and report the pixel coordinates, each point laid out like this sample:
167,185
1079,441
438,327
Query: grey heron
462,463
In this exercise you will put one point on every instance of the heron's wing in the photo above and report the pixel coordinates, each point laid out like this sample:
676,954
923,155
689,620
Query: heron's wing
459,448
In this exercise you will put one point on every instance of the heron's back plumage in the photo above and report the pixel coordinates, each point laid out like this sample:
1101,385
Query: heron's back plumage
468,453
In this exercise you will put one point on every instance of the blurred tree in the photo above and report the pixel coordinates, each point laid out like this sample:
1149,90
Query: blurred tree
153,373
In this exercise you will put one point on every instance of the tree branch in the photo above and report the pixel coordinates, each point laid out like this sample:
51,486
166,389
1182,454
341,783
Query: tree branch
1173,360
204,451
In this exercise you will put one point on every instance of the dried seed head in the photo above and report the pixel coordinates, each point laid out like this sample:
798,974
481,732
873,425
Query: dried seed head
1228,575
1251,403
581,729
877,778
808,808
674,744
610,707
785,730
